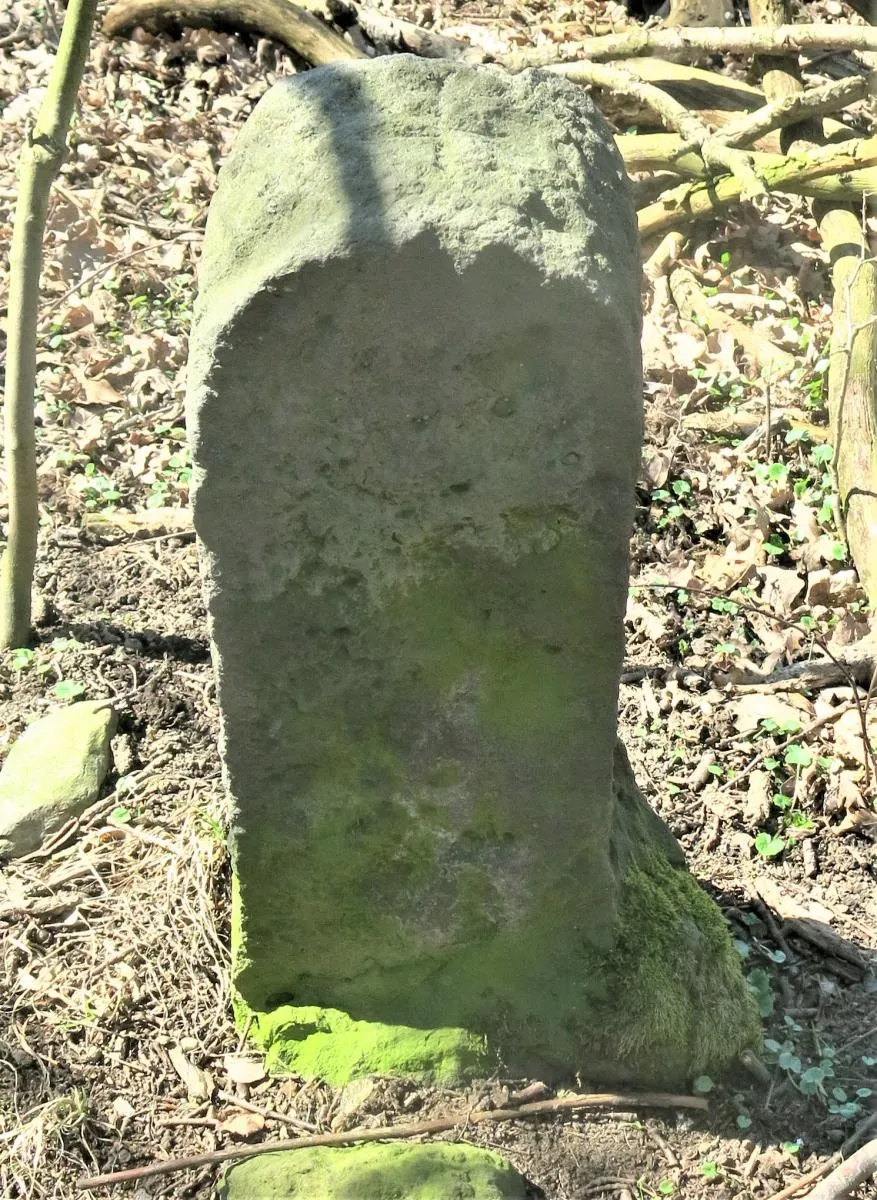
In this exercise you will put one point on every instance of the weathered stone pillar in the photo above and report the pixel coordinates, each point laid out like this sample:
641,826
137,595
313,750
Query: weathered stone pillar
415,404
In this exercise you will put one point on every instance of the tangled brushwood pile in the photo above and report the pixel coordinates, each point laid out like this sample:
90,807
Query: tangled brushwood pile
117,1047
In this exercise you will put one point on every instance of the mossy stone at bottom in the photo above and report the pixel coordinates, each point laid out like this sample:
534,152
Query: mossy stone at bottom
671,1004
439,1171
324,1043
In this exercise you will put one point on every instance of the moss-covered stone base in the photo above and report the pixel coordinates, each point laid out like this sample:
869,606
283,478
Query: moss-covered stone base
375,1172
324,1043
667,1003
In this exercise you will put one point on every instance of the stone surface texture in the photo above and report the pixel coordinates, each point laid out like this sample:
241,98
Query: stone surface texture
415,409
54,771
375,1172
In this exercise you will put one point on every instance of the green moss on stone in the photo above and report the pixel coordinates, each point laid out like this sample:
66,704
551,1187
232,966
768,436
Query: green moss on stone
450,873
678,1005
327,1044
667,1003
439,1171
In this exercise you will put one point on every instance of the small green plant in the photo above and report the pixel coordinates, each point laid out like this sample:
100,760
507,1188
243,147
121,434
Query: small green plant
100,490
173,482
672,503
22,658
769,845
759,984
68,689
709,1169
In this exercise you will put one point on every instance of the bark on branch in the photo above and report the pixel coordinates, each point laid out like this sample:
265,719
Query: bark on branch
287,23
852,385
690,44
830,97
690,201
666,152
676,116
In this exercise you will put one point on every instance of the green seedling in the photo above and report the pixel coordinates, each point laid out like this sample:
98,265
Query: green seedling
68,689
769,845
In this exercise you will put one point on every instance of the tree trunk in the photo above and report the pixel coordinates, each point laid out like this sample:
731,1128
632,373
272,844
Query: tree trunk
40,162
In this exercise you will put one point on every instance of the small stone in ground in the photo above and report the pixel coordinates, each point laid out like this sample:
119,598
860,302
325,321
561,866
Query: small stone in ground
52,773
375,1172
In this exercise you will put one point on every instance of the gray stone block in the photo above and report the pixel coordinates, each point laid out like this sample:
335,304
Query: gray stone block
415,406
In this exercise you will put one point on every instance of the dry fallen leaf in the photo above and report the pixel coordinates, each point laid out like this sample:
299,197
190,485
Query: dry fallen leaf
123,1108
242,1124
781,589
754,707
101,394
860,819
199,1084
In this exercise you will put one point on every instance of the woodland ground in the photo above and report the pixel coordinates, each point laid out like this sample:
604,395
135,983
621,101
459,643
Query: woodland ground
113,940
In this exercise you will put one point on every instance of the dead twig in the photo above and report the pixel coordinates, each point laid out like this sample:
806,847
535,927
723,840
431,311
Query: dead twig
436,1125
269,1114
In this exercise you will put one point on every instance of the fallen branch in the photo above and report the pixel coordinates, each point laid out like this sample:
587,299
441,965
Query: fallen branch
676,116
829,97
852,385
726,424
666,152
418,1129
285,22
668,251
772,362
690,201
848,666
806,1180
717,99
690,43
857,1169
395,34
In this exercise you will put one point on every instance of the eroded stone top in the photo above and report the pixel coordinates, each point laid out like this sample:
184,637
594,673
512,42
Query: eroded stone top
524,160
